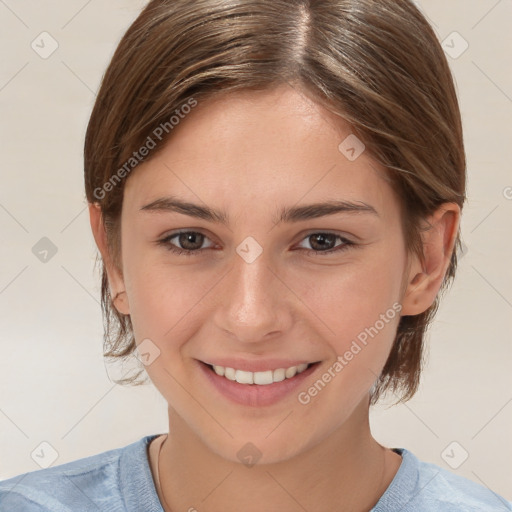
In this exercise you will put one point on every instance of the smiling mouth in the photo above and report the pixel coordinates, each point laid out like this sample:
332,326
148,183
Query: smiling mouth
260,378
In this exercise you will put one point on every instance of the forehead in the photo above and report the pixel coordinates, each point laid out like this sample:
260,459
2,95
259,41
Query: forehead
260,148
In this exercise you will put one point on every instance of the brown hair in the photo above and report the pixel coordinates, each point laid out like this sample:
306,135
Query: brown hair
378,65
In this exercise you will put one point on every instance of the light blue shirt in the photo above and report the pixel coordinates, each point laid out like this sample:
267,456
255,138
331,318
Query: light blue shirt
120,480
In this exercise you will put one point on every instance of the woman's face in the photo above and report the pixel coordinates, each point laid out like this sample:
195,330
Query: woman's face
272,280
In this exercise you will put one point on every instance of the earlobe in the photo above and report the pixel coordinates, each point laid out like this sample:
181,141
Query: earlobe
120,301
425,278
115,278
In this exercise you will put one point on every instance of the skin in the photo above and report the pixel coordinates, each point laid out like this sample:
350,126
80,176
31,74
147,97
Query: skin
250,154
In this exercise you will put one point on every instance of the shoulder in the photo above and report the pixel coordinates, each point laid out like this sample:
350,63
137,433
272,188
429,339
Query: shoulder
421,486
82,484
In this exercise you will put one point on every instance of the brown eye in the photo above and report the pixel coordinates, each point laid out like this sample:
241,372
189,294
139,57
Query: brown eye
190,240
322,241
324,244
187,242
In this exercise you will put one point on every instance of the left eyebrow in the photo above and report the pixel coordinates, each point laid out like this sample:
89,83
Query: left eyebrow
315,210
287,214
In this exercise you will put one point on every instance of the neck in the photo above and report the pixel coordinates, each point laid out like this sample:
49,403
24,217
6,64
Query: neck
347,471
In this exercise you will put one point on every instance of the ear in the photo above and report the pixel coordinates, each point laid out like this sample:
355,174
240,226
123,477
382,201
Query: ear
115,278
438,240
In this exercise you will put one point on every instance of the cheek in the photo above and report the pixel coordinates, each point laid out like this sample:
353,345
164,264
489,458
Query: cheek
350,298
159,294
358,310
165,299
362,310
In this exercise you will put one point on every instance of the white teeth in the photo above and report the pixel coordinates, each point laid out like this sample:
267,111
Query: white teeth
279,375
260,378
263,378
290,372
244,377
229,373
219,370
302,367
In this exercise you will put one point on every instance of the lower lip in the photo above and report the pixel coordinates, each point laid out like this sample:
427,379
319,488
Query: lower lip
256,395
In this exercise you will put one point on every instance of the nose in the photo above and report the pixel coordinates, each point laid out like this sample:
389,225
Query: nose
253,302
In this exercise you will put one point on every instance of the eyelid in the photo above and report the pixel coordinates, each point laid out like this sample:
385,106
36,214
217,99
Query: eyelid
342,234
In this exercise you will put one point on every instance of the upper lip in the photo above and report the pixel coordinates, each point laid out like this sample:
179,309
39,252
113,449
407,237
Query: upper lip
257,366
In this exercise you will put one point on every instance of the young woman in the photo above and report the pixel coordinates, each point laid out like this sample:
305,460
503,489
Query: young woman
275,188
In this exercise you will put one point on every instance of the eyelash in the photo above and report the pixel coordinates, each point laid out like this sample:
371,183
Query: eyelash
166,242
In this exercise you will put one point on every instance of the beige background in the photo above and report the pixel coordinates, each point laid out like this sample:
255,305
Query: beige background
54,384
